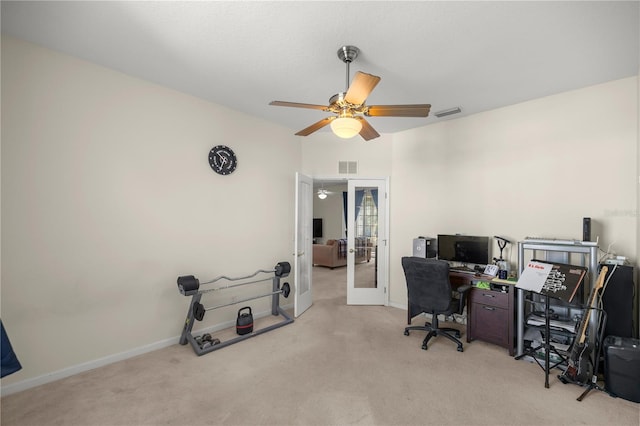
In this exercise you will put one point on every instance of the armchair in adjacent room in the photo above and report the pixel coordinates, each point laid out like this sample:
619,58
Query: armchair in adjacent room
429,291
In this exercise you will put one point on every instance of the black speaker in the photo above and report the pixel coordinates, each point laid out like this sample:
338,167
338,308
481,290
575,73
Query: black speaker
586,229
622,367
617,301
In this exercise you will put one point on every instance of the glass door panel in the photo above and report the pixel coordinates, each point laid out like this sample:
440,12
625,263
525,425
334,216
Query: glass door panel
366,223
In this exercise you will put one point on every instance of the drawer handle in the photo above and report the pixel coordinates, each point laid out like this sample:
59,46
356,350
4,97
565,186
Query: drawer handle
489,308
488,295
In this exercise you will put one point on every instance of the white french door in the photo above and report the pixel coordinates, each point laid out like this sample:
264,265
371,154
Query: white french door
366,242
303,250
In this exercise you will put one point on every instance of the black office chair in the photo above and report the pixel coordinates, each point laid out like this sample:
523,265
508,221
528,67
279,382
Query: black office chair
429,291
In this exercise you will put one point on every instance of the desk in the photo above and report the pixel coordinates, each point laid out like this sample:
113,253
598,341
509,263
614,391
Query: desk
490,313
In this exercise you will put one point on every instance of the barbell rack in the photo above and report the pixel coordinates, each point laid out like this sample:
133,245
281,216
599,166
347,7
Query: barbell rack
189,285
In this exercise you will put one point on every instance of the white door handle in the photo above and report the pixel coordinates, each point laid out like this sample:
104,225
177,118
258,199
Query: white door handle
351,250
300,253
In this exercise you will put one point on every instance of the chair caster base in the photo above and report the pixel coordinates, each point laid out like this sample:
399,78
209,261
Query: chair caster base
460,349
424,347
406,332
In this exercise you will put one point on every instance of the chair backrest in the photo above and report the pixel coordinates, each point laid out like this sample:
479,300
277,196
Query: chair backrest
428,283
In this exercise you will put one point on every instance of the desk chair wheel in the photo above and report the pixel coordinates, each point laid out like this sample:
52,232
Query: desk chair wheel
460,349
406,332
424,347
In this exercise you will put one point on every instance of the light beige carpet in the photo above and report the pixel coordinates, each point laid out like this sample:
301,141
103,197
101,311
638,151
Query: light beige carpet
335,365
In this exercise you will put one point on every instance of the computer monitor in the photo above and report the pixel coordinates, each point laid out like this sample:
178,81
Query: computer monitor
464,249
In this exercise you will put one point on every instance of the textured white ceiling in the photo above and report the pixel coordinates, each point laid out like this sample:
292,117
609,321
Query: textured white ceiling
478,55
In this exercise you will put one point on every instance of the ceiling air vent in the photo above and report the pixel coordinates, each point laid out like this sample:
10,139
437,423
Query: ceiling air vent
348,167
446,112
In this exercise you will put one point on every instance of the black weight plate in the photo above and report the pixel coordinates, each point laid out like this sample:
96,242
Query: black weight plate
283,269
188,283
198,311
286,289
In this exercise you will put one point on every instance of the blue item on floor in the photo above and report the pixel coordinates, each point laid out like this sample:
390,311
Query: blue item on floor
9,361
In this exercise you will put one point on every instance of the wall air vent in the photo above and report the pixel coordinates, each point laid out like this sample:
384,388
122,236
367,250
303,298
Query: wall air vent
446,112
348,167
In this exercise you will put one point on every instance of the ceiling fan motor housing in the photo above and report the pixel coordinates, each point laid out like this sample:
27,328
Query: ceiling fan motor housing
348,53
339,105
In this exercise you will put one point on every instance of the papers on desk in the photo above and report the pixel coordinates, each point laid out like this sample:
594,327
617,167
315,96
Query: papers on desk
491,270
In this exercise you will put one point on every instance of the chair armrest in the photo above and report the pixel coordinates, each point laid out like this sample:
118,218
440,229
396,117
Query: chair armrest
462,296
463,289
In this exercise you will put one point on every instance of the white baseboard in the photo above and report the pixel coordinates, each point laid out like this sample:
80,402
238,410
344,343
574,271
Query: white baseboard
86,366
101,362
402,306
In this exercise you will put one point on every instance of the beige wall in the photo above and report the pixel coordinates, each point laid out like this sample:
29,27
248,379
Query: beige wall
322,151
107,197
532,169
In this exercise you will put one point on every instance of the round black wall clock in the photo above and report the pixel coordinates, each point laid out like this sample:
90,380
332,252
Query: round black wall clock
222,160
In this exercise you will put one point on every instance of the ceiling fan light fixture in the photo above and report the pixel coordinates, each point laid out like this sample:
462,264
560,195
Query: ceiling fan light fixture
322,194
346,127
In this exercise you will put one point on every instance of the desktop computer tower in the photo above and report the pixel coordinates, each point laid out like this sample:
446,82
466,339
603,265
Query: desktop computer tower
424,247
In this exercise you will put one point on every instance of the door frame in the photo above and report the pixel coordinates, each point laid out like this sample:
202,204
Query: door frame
383,262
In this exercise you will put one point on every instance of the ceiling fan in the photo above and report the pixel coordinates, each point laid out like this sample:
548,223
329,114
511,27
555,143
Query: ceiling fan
350,105
323,193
